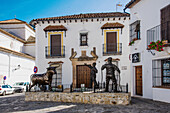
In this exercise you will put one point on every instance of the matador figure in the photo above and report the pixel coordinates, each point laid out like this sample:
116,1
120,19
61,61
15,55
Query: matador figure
110,73
92,74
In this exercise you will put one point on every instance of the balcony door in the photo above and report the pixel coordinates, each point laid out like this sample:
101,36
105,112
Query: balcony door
55,45
111,42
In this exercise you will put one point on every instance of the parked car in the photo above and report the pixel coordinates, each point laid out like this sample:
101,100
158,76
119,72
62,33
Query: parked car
20,86
6,89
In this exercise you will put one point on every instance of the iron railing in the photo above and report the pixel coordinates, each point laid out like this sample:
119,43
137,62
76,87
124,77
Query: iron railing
160,32
55,51
113,48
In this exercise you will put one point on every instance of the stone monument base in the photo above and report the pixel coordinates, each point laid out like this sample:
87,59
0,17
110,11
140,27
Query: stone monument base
87,98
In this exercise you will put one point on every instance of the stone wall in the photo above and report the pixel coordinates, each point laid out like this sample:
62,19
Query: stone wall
87,98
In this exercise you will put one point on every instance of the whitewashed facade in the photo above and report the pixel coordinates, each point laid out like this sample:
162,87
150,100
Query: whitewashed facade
148,14
17,61
70,38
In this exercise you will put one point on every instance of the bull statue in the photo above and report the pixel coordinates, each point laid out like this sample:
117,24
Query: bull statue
43,79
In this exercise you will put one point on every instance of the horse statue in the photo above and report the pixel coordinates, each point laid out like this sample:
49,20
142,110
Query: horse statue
43,79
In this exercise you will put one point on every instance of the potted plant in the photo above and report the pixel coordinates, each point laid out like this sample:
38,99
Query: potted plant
132,42
158,45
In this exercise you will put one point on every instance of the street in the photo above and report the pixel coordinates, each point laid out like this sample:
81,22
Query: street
15,103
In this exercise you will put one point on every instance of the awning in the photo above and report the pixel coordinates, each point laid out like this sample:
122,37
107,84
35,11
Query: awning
112,25
55,28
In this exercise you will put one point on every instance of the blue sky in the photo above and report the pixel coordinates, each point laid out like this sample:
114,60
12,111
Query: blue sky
31,9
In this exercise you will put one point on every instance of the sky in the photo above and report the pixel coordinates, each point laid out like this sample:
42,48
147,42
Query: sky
27,10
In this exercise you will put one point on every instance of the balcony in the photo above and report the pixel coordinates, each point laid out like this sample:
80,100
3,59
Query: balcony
160,32
112,49
55,51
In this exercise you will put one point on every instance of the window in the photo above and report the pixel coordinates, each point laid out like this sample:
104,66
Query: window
135,30
161,73
83,39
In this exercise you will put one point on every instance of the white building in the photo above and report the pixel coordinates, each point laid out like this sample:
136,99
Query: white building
17,51
150,21
70,41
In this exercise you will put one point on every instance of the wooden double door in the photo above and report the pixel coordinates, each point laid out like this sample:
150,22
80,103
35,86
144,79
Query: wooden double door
138,74
55,45
82,75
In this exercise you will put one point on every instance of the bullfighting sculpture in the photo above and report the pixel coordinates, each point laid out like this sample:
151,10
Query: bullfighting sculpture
43,79
110,74
92,74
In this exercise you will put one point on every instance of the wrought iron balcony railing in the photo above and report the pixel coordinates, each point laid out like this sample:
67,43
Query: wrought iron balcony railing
160,32
55,51
113,48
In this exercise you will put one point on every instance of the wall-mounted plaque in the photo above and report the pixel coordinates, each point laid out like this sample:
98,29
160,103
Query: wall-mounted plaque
135,57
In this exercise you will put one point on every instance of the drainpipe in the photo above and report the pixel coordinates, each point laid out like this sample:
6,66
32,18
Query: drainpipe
128,6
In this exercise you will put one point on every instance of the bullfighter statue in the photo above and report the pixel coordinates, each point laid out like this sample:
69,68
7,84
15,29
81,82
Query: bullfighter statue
92,74
110,73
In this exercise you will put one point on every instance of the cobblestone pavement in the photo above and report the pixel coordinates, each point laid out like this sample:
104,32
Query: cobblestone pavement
16,103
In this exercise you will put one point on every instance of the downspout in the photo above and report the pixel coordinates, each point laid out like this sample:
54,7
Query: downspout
128,6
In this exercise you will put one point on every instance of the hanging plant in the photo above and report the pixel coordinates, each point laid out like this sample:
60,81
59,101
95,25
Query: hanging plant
158,45
132,42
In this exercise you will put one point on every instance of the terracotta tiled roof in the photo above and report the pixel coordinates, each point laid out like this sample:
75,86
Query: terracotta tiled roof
16,21
12,36
31,39
112,25
55,28
82,16
131,3
16,53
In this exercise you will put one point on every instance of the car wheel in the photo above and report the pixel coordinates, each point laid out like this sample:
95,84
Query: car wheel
21,91
13,92
4,93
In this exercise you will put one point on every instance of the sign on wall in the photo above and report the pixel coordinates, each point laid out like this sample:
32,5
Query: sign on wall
124,67
135,57
35,69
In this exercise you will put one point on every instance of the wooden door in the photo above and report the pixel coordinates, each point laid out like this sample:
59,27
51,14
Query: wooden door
111,42
56,45
138,73
83,76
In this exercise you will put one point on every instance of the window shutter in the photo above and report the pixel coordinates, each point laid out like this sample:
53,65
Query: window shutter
165,23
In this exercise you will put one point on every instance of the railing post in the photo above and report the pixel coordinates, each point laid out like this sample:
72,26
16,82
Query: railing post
71,86
62,88
127,88
104,85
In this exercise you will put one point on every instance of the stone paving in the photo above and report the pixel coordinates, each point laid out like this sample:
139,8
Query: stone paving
15,103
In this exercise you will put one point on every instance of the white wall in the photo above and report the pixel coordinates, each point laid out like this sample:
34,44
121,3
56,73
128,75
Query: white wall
148,11
160,94
10,62
10,43
28,32
72,40
29,49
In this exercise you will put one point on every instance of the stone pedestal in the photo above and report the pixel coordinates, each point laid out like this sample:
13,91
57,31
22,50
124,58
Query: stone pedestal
87,98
